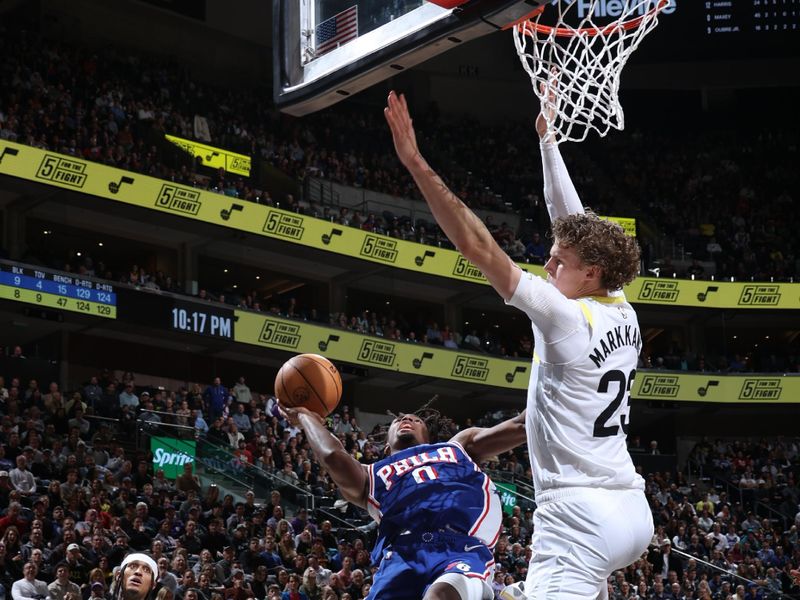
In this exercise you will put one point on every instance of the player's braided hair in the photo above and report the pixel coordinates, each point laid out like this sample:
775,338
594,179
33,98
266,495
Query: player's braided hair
430,416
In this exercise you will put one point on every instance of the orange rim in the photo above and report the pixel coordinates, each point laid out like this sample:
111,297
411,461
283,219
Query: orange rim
529,26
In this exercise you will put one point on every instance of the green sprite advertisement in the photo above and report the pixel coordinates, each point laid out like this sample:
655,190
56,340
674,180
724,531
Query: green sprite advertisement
171,454
508,496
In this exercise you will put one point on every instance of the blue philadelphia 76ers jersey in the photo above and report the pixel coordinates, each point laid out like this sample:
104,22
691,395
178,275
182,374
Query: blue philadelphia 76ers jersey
433,487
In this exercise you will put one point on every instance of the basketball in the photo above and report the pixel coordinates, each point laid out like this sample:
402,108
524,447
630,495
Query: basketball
311,381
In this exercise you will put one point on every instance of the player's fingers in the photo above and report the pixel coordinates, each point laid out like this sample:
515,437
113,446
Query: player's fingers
394,102
282,408
398,106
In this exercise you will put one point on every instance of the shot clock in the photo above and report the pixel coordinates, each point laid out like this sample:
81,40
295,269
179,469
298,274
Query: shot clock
53,289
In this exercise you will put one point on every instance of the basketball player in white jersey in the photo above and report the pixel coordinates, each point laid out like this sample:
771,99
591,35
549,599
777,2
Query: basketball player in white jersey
592,516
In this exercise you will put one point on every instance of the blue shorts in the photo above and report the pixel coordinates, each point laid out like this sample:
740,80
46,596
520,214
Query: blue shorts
414,561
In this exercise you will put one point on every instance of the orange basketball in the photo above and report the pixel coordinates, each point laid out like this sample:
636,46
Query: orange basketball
309,380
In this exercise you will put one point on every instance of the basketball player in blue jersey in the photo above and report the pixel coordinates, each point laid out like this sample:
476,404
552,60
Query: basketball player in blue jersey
592,516
439,516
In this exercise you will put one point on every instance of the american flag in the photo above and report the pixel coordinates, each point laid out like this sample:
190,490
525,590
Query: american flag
337,30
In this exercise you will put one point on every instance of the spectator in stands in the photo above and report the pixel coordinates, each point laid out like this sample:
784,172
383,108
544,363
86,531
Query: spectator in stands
13,522
80,423
127,397
29,588
239,589
62,584
664,561
242,392
200,425
92,394
21,478
187,480
214,398
35,541
242,420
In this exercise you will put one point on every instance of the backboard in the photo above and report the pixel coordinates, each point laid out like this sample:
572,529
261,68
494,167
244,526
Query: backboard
327,50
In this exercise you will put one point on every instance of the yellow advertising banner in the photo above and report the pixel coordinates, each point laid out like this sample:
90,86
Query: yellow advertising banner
300,337
188,202
629,225
341,345
212,157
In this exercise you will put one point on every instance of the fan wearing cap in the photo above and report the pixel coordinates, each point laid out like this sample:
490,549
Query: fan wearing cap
239,589
136,578
664,561
76,564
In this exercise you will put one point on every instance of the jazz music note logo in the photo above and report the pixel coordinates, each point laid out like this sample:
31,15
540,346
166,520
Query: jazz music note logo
9,151
327,237
225,213
421,259
210,156
709,290
702,391
417,362
114,186
510,376
324,345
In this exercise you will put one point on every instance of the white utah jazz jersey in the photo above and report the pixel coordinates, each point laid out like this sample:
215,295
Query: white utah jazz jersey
578,410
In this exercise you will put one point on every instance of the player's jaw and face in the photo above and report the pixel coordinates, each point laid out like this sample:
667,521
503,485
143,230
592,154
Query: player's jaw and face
567,272
407,431
137,579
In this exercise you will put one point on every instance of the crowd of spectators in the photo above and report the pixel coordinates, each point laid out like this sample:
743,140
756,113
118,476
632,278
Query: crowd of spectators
771,356
75,499
407,326
391,324
760,470
715,195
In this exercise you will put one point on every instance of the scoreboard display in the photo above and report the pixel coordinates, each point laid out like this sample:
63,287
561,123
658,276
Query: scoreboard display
58,290
54,289
723,29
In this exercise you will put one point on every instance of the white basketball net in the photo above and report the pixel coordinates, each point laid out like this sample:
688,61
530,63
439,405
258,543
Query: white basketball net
575,63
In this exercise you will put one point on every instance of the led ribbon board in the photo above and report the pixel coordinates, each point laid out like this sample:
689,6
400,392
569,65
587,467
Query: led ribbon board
187,202
53,289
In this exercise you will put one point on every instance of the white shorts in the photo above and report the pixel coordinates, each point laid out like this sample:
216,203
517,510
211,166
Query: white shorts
581,536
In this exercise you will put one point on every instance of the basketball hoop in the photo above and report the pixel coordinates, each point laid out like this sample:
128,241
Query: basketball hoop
575,64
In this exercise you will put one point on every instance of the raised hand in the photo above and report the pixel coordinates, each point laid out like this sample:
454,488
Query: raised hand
549,104
405,140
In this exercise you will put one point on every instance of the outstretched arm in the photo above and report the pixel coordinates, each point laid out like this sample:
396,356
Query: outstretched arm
560,194
349,474
459,223
483,442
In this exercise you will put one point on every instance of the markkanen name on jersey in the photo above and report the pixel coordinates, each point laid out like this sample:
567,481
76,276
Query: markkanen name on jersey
616,338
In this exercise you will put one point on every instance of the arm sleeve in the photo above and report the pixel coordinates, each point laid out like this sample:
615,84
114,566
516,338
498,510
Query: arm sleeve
559,192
